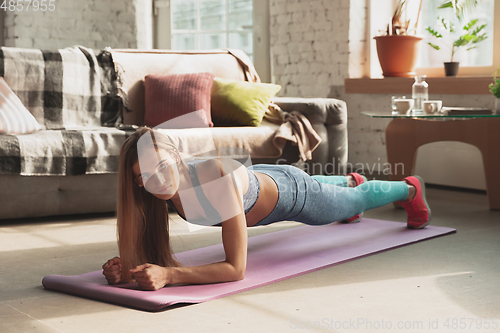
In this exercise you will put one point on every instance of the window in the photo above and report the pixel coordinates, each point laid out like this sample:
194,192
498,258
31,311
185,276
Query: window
480,60
212,24
215,24
483,60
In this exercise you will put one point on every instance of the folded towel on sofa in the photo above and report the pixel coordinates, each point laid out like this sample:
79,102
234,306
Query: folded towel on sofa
295,127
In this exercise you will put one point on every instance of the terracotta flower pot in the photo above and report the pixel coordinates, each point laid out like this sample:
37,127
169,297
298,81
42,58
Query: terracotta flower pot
398,54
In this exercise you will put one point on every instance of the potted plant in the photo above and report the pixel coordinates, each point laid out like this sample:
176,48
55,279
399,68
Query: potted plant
398,47
495,90
472,33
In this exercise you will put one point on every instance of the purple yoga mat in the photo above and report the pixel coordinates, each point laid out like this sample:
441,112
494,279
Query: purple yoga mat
272,257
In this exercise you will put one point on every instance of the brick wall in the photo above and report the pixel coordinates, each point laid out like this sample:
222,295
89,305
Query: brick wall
310,45
91,23
309,49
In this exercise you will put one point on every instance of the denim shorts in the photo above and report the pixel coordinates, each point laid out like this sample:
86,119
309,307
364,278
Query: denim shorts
296,189
289,204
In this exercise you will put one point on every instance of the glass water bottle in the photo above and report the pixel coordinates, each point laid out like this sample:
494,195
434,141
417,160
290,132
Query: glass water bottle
420,93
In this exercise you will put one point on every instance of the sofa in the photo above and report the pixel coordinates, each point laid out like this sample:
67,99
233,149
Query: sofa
89,101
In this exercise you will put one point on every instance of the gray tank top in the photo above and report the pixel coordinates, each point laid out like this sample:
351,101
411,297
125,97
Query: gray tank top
213,218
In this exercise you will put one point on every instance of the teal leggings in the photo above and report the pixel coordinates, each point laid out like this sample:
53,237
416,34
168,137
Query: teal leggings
369,195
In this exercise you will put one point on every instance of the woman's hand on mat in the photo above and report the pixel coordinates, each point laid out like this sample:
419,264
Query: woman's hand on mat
112,270
151,277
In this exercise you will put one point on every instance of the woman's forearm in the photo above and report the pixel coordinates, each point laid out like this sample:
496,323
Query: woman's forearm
211,273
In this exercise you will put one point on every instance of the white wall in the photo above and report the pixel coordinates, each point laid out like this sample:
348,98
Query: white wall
309,49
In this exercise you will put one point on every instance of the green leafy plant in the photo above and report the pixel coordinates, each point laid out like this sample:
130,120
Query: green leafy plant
470,38
473,32
495,86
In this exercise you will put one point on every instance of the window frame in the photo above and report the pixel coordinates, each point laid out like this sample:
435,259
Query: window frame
199,32
162,26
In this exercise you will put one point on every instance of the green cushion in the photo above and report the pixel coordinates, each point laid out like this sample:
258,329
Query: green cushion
240,103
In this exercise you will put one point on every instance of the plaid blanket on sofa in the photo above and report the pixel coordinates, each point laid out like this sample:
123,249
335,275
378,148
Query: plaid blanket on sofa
73,93
62,152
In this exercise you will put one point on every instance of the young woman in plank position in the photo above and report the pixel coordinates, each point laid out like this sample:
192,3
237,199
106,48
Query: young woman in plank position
224,192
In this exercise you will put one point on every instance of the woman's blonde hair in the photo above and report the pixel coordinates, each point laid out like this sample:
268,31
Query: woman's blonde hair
142,218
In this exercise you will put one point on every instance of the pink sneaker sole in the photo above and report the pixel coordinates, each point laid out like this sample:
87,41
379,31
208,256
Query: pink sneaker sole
418,210
359,180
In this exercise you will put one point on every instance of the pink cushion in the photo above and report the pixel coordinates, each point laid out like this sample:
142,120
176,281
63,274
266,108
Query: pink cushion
170,96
